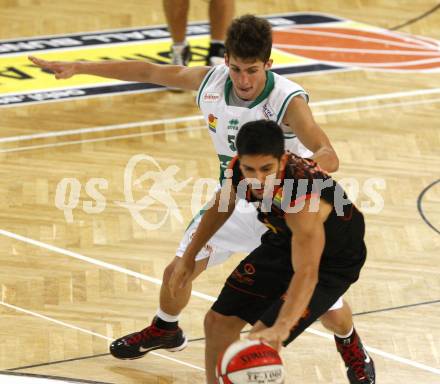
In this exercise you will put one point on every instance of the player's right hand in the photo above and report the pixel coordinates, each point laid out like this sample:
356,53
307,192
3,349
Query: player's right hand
274,336
61,69
181,275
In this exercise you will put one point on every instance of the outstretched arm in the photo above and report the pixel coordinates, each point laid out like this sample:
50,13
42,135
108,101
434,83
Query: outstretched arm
128,70
300,119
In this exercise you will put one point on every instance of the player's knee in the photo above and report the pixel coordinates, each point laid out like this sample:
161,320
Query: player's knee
335,321
167,272
213,323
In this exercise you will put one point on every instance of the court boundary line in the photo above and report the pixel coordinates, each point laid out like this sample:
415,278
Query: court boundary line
71,326
57,362
420,206
185,119
415,19
193,340
200,127
389,309
156,281
360,50
49,377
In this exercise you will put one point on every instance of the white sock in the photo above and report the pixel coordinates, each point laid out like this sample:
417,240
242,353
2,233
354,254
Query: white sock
347,335
179,47
166,317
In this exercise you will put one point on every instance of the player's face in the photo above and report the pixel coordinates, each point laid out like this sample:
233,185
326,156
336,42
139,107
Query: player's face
265,169
248,77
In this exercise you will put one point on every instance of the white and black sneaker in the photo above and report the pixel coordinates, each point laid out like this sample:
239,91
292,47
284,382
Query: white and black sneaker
180,54
137,344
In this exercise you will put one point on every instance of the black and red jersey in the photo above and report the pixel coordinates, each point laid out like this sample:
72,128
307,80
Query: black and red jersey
301,180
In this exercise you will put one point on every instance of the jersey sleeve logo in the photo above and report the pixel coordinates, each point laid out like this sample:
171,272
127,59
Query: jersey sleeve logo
212,123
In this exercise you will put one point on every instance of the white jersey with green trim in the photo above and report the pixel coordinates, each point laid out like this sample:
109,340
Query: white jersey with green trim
225,120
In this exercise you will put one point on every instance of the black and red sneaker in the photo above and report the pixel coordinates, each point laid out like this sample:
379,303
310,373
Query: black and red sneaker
136,345
359,364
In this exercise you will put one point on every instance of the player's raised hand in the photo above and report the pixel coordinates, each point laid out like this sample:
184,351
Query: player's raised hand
61,69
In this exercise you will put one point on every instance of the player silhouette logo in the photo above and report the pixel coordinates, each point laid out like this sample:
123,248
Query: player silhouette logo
159,199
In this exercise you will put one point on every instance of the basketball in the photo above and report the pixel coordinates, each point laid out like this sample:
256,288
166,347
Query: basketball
250,361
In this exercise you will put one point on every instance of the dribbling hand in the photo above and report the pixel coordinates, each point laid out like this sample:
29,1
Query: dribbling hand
273,336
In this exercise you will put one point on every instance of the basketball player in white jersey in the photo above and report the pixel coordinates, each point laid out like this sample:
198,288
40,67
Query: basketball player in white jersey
229,95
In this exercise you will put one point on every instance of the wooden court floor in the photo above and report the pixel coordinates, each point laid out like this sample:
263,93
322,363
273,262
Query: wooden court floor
71,282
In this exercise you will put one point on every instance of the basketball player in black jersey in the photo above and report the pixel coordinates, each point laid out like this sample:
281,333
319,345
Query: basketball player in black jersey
311,254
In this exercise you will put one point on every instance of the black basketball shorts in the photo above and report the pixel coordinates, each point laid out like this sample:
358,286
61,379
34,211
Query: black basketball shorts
255,288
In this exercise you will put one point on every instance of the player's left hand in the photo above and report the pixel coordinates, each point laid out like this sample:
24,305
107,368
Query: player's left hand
273,336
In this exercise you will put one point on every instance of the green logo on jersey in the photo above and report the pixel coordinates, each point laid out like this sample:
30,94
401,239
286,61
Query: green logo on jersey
233,125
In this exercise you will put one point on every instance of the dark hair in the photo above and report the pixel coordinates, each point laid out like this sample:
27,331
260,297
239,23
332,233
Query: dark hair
249,37
260,137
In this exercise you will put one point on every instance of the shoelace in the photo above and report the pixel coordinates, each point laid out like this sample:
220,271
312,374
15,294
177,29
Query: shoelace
145,334
354,358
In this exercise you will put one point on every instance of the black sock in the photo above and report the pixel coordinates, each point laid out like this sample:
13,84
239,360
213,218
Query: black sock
162,324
